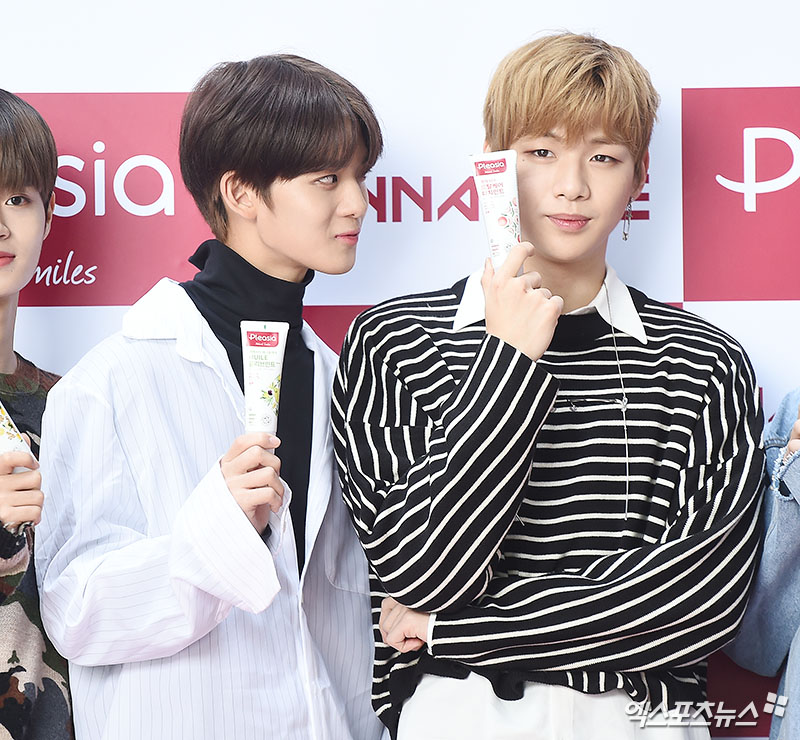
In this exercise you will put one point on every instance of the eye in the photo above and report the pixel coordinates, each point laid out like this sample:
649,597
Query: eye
328,179
540,153
603,158
17,200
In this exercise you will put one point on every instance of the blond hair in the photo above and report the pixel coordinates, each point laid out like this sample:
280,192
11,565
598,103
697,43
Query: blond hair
575,83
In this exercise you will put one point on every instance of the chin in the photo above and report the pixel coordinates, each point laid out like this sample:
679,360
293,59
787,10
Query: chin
337,268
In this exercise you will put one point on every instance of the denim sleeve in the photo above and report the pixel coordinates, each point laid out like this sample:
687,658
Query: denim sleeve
773,613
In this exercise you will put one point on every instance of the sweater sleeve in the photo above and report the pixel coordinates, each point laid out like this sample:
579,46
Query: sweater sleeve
433,472
667,603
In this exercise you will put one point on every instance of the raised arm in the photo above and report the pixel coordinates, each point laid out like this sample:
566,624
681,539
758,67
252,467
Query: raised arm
434,470
118,583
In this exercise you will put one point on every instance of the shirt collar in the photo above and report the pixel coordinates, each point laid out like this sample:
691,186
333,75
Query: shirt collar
167,312
472,307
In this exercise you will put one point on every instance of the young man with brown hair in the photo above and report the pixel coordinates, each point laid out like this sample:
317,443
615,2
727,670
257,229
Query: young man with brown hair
555,477
203,583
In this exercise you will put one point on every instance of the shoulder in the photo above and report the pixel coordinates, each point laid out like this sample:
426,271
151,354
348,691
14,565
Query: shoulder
145,345
28,379
688,336
93,373
415,313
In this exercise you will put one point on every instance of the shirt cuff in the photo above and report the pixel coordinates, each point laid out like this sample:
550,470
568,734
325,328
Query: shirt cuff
431,623
217,549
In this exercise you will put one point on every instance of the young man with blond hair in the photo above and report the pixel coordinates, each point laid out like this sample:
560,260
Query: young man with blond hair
555,477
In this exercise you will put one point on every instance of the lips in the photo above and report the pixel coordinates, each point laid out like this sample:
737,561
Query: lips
569,221
348,237
6,258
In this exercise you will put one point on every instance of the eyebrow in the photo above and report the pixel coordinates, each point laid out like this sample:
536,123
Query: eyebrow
601,140
604,140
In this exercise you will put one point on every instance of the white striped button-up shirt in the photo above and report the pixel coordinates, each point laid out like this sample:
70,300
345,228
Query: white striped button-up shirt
179,621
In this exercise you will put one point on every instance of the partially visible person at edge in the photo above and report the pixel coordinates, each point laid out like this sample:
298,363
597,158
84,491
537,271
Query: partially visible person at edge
769,639
556,478
205,583
34,696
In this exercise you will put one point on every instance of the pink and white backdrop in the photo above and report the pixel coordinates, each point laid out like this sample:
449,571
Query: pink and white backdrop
715,229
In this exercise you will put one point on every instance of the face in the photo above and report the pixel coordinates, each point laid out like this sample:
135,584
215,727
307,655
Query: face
24,223
312,222
573,195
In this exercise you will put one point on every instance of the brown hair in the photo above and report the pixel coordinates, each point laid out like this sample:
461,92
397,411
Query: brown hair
28,157
575,82
277,116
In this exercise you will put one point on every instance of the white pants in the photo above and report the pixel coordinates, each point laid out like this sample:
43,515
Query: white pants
455,709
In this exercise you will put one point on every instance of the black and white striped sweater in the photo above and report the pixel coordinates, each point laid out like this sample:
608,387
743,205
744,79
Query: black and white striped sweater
491,490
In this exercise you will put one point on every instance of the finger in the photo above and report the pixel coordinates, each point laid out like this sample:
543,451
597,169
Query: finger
558,302
514,260
19,514
387,606
400,638
488,274
410,644
23,482
532,280
795,430
252,439
792,447
252,498
251,459
543,292
17,459
26,438
260,478
261,458
11,499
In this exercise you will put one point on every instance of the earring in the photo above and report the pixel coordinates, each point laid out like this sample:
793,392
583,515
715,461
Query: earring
626,220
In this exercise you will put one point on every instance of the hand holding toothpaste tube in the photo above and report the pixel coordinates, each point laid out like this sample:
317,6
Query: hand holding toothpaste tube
252,472
518,309
20,485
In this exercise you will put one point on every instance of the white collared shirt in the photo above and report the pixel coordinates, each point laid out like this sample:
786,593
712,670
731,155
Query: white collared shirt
613,301
178,620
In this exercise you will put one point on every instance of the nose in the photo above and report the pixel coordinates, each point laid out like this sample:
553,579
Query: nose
354,199
4,230
571,181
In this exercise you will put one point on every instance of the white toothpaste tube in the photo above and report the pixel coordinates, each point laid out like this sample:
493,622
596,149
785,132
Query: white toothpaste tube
263,345
11,441
495,175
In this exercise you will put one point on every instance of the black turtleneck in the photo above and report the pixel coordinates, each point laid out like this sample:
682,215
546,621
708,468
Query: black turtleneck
228,290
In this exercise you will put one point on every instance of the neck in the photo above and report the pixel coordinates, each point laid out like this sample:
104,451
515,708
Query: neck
249,248
577,284
8,317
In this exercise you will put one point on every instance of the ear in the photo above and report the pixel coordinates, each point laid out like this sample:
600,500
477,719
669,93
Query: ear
639,186
48,214
238,198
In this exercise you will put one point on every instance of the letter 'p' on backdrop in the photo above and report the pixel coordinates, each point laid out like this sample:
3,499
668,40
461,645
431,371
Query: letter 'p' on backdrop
714,229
